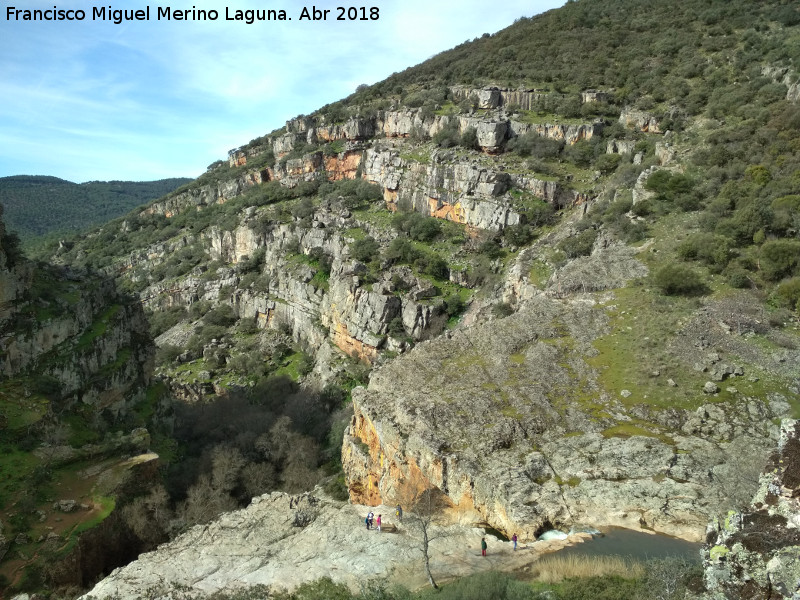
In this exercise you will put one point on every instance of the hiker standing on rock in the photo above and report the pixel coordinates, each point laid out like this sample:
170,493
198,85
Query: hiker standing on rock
379,523
483,546
399,513
370,518
366,520
514,539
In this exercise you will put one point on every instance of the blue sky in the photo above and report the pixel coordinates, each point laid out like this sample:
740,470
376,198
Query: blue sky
147,99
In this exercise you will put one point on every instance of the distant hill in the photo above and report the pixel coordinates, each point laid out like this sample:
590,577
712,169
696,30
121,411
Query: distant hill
38,205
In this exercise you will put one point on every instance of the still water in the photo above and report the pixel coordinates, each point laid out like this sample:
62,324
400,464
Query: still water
628,543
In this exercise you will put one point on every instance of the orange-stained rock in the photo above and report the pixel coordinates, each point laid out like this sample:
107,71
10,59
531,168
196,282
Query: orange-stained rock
448,212
390,197
350,345
343,166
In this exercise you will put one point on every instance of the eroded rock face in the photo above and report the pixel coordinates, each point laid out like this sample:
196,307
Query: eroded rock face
756,553
491,417
639,119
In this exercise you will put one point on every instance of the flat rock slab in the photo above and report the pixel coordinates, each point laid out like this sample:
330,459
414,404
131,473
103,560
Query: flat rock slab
259,545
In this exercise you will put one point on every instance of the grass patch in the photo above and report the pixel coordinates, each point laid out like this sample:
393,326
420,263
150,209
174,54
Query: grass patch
15,467
555,569
107,505
626,430
641,324
293,366
539,273
20,411
419,155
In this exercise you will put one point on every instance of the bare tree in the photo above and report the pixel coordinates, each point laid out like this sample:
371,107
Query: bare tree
258,478
226,463
204,502
426,509
149,516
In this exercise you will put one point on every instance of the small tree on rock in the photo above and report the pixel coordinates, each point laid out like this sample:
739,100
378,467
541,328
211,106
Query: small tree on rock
426,509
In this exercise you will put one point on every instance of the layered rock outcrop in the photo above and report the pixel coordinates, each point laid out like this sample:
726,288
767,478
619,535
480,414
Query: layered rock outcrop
81,334
339,308
495,418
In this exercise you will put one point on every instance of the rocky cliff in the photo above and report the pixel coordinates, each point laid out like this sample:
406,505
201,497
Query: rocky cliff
501,418
755,553
75,359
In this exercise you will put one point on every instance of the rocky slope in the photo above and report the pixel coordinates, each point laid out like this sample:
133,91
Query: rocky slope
281,541
594,323
75,360
508,420
756,553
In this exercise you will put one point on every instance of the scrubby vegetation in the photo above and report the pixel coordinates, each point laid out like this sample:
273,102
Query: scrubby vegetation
718,217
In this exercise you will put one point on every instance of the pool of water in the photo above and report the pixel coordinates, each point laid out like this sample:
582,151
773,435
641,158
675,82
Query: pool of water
641,546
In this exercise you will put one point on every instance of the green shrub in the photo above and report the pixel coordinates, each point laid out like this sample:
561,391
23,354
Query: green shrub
167,354
517,235
679,280
435,266
502,309
738,277
788,293
712,249
401,250
365,250
539,213
221,315
606,163
532,144
779,258
491,249
673,188
448,136
580,244
417,226
746,222
786,213
469,139
303,209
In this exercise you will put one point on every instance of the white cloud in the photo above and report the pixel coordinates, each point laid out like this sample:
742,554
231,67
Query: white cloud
154,99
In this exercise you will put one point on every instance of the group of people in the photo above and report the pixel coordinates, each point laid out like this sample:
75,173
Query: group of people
485,547
371,522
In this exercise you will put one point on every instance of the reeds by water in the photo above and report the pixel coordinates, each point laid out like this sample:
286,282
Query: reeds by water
553,569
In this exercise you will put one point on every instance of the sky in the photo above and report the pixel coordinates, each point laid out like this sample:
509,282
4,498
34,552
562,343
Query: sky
143,100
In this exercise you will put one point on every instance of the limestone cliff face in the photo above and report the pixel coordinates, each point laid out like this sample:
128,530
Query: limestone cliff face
81,334
490,417
526,99
756,553
441,184
340,309
639,119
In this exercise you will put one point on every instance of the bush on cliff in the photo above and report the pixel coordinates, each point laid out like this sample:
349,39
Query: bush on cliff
679,280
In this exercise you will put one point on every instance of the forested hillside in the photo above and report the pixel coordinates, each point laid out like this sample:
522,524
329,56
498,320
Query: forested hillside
38,205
